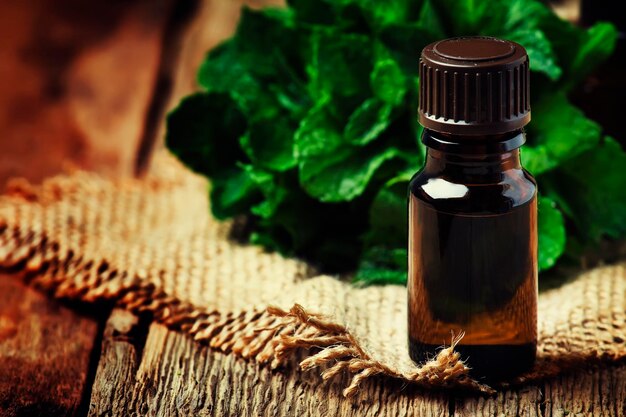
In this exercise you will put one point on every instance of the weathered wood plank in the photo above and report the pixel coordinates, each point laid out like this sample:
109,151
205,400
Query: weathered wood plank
115,376
521,402
44,352
178,377
597,392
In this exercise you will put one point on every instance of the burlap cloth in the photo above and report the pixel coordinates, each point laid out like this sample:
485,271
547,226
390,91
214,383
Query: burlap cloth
151,245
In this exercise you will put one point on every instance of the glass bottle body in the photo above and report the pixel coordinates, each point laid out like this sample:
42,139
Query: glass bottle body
473,254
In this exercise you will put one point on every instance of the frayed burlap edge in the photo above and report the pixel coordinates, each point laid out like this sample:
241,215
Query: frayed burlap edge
341,352
336,350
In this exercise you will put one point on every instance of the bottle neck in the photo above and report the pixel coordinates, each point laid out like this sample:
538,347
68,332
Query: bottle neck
473,159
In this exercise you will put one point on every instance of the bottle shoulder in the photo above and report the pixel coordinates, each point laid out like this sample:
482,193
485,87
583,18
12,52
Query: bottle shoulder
513,188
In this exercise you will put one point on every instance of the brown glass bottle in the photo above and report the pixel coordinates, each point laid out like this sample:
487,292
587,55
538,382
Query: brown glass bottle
472,211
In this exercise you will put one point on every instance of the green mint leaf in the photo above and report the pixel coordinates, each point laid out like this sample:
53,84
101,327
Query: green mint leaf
340,64
384,13
232,193
213,74
318,133
388,82
558,132
273,193
381,265
578,51
224,72
213,77
269,144
344,14
268,45
551,230
203,132
297,222
343,175
464,17
430,22
270,239
257,68
368,121
321,12
519,21
590,190
388,216
513,15
598,44
516,20
403,40
539,50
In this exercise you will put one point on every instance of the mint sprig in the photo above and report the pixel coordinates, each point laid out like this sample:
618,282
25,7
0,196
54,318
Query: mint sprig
307,124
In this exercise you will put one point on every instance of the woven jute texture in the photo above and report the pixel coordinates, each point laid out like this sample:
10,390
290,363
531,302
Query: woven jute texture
151,246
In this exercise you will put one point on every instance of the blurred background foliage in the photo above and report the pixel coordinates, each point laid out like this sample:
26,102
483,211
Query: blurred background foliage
307,126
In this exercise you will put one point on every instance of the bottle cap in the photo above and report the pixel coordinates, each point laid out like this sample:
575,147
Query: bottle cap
474,86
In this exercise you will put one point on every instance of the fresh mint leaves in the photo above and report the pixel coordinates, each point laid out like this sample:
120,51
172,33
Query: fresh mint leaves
307,124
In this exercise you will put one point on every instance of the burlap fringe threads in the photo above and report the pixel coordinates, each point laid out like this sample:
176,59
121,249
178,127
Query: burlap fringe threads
341,352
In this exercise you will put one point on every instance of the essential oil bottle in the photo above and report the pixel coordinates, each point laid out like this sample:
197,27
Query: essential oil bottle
473,210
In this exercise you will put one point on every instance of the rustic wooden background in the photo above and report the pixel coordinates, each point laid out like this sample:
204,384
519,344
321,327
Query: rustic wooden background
64,101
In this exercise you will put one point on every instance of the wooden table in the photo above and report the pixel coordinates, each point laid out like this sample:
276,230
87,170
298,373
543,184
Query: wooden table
58,359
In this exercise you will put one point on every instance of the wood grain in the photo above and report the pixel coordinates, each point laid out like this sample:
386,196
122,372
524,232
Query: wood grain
598,392
115,376
176,376
44,352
